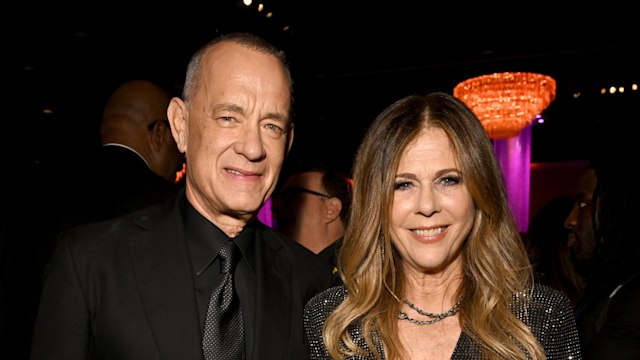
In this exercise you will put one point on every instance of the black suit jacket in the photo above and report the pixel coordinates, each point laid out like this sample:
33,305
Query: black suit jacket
115,182
609,320
124,289
53,196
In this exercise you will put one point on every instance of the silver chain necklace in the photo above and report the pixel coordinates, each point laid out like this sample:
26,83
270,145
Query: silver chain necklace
434,317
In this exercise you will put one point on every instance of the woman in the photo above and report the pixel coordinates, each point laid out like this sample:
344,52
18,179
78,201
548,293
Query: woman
432,263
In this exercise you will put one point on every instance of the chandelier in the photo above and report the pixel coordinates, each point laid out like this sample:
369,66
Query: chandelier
507,102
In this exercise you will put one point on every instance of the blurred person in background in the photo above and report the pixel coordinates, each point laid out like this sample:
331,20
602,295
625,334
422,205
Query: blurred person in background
311,207
608,314
547,243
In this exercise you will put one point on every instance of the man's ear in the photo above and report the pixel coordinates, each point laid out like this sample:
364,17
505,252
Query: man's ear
158,135
178,116
334,206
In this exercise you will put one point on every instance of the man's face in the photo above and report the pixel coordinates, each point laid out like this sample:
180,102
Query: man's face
300,205
237,131
580,220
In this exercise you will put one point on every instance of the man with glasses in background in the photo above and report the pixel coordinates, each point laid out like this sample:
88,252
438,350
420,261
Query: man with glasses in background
311,208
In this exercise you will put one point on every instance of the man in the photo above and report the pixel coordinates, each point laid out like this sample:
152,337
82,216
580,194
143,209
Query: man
138,287
137,163
311,208
608,314
579,222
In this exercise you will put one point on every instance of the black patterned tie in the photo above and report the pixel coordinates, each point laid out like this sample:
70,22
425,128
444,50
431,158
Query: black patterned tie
224,329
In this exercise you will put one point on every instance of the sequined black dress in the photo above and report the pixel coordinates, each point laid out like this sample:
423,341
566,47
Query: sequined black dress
550,318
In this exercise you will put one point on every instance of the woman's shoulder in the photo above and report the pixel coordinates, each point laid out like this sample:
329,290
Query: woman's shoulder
326,300
544,305
549,315
319,307
550,296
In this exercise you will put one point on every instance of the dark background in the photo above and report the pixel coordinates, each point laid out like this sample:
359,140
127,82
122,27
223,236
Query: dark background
349,61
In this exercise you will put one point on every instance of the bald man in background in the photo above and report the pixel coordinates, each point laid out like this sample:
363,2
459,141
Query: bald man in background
138,161
136,117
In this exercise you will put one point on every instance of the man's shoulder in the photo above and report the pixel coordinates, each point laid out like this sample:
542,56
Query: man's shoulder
278,241
123,228
306,264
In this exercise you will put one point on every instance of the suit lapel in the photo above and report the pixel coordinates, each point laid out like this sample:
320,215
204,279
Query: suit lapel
273,305
163,275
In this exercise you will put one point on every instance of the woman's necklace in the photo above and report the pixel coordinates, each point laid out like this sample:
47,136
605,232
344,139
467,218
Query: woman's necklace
434,317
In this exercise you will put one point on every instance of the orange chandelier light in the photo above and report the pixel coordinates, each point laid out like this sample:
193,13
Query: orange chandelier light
507,102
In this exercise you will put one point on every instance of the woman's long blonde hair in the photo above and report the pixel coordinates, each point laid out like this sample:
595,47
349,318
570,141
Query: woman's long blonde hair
496,265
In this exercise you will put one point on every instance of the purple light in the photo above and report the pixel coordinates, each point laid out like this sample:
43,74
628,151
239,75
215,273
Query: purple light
514,156
265,216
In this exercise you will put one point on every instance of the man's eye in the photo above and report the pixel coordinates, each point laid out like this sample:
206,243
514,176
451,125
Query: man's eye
274,129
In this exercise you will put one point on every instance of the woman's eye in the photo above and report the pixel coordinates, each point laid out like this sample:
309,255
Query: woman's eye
450,180
402,185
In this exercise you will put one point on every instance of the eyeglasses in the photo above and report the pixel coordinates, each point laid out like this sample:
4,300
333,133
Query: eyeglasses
291,191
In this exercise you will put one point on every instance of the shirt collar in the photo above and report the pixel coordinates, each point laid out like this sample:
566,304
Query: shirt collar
129,148
205,239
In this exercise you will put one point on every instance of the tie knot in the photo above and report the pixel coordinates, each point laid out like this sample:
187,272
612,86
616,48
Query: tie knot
229,254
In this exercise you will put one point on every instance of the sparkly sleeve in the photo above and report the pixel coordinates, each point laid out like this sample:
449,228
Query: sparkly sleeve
315,313
553,322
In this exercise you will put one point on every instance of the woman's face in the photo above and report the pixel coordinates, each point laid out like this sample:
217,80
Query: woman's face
432,211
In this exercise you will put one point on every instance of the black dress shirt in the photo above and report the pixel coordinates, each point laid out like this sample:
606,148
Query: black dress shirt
204,240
